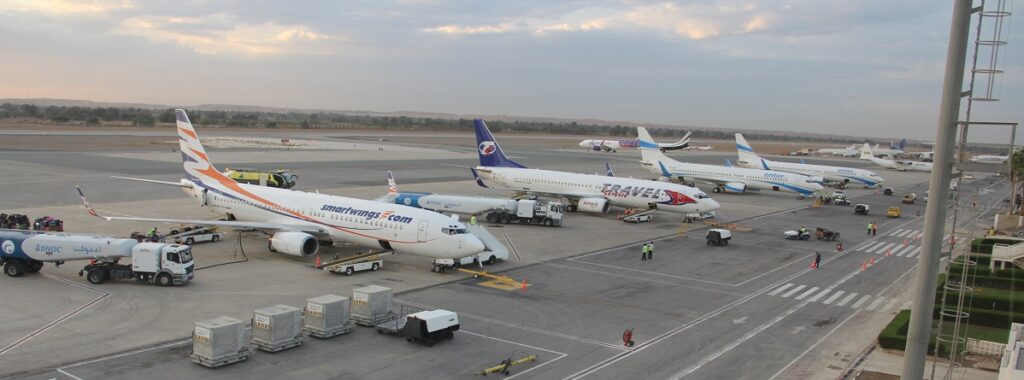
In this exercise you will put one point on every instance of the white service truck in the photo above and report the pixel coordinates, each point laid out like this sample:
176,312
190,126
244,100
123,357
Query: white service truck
24,252
528,211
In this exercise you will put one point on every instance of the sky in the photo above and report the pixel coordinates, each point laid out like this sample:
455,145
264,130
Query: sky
867,67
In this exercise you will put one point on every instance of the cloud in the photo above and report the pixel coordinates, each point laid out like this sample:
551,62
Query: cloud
464,30
224,34
64,7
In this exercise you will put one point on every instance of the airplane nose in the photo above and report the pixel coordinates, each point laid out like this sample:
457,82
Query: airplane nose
583,144
709,204
472,244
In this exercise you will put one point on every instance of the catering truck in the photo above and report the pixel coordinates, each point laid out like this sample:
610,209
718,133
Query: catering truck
24,252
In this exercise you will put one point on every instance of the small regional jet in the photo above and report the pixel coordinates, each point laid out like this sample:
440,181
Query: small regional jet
851,151
584,192
704,148
867,154
725,178
838,174
297,221
615,145
989,159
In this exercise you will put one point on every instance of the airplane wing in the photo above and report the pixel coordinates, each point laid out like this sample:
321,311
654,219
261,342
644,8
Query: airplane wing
304,227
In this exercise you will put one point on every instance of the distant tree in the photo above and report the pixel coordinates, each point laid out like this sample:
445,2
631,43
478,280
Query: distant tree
166,116
92,120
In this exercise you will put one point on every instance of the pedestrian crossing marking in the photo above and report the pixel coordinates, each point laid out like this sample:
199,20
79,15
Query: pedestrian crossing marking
847,299
874,304
780,289
819,295
860,301
833,297
807,293
901,250
914,253
890,305
906,233
791,292
872,246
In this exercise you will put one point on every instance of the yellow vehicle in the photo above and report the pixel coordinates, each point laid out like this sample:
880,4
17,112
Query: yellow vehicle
278,178
894,212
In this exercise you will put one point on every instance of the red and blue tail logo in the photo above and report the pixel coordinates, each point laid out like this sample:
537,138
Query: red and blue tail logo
676,198
488,149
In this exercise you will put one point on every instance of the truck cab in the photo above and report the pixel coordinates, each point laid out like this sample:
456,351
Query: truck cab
156,263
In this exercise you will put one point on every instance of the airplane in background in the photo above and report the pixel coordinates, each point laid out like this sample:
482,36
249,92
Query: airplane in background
867,154
749,159
615,145
725,178
850,151
704,148
297,221
584,192
892,151
990,158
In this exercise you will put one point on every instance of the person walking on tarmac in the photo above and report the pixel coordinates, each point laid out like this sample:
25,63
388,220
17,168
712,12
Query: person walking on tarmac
874,229
472,219
869,227
643,252
152,234
817,259
650,251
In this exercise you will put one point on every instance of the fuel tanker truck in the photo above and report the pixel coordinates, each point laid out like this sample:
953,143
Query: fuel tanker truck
24,252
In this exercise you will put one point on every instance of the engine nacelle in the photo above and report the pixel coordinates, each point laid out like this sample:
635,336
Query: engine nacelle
735,187
294,243
595,205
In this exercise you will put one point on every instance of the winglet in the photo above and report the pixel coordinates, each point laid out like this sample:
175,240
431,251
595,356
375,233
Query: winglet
764,164
608,169
479,181
664,170
88,207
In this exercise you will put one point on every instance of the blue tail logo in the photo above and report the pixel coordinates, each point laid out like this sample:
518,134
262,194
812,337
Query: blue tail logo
488,149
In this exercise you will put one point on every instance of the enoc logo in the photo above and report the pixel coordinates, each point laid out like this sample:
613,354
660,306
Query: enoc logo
7,247
487,148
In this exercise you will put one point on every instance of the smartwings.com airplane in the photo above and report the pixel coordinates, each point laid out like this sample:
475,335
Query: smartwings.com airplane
585,192
725,178
838,174
297,221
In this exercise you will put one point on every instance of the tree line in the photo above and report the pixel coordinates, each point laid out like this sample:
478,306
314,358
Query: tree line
145,117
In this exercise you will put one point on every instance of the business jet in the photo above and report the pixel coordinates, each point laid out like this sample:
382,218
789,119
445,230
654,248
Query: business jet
615,145
867,154
584,192
297,221
989,159
839,174
850,151
725,178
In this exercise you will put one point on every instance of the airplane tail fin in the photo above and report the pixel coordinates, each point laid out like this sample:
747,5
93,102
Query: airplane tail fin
196,162
682,143
903,144
728,163
488,150
392,186
745,151
608,169
865,152
649,151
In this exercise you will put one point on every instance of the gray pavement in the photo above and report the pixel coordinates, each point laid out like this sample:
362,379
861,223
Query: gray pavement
748,311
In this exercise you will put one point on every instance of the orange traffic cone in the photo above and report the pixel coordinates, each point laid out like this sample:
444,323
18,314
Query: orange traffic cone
317,264
523,285
814,265
863,265
906,242
888,252
872,261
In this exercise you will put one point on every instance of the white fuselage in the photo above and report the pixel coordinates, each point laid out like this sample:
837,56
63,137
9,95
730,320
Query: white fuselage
901,165
608,144
621,192
989,159
363,222
753,179
827,172
845,152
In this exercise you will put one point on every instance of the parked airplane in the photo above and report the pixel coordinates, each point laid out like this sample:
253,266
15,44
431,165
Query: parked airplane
892,151
297,221
867,154
851,151
706,147
585,192
615,145
989,158
749,159
728,178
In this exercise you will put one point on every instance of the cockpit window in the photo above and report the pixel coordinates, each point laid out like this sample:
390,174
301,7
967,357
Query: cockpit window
453,230
180,257
701,195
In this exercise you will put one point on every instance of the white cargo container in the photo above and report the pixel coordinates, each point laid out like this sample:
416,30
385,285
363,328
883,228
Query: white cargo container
219,341
276,328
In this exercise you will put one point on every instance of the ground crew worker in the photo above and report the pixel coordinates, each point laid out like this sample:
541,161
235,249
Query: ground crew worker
643,252
874,229
650,251
817,259
869,227
839,247
472,220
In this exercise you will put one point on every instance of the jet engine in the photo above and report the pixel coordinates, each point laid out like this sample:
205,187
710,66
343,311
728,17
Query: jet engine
595,205
294,243
735,187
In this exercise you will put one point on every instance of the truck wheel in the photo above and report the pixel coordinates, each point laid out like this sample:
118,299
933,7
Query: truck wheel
374,267
504,219
14,268
349,271
95,276
164,279
456,264
429,342
491,260
189,241
215,238
409,339
450,335
492,217
726,242
34,267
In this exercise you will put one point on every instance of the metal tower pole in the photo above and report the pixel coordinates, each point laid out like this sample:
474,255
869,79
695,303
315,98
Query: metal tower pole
935,212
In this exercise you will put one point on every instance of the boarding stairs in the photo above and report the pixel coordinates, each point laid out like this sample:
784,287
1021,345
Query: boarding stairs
1007,253
492,246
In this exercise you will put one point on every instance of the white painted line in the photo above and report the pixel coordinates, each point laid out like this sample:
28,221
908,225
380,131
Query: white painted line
129,353
872,245
847,299
860,301
890,305
819,295
886,248
546,362
638,278
807,293
877,247
791,292
814,345
875,303
60,319
907,233
780,289
915,252
906,305
652,273
834,296
900,250
894,232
